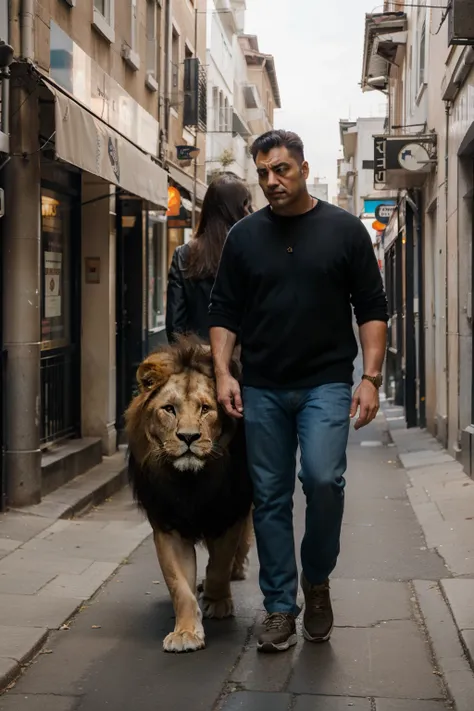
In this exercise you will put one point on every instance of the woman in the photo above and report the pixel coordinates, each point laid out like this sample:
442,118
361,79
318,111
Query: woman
190,281
194,265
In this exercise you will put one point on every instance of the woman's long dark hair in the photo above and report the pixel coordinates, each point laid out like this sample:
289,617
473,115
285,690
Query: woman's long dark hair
227,201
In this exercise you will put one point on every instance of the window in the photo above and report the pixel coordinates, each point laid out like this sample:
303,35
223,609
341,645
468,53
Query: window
134,26
226,114
157,274
130,52
221,111
367,165
152,44
175,60
55,302
421,55
104,19
215,108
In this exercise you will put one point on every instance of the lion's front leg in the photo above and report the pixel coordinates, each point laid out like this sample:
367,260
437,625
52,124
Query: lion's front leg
217,596
177,559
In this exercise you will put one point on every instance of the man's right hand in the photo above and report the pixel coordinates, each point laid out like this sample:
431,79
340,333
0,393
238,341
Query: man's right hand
229,396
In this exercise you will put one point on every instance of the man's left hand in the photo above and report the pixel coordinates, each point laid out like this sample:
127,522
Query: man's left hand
366,400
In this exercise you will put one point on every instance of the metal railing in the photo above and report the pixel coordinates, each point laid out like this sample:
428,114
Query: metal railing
57,398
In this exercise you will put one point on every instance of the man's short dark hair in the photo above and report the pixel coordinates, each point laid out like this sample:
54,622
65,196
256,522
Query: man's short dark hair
277,139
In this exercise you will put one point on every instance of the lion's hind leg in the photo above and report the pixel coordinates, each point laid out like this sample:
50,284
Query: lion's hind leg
241,560
177,559
217,596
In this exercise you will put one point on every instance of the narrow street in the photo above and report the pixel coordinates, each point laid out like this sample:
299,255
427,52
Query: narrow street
379,658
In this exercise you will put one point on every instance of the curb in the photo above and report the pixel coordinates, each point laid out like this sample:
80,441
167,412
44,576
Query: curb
72,499
452,653
16,667
86,490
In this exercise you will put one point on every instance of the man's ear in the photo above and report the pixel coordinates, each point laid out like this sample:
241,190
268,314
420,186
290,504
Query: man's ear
305,169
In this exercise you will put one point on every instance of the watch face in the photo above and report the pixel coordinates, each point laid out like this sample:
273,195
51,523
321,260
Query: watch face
376,380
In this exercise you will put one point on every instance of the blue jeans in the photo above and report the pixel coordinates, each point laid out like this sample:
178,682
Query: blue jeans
275,421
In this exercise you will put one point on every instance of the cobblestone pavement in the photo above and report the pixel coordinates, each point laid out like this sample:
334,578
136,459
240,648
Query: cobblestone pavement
380,658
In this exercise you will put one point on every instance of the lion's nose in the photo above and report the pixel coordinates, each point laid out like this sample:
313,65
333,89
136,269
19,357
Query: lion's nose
188,437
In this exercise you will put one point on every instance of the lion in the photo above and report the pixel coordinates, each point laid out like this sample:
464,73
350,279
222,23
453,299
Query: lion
188,470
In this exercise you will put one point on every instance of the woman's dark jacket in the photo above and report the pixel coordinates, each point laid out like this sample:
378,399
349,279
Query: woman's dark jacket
188,299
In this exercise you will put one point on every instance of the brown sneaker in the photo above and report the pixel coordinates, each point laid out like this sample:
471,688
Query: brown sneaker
279,633
318,618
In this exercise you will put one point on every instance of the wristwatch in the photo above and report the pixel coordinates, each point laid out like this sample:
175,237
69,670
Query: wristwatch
376,380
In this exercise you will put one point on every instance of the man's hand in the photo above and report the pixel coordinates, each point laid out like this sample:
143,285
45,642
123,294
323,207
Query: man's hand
366,400
229,396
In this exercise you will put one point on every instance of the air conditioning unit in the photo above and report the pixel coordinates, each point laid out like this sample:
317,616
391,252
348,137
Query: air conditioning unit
461,22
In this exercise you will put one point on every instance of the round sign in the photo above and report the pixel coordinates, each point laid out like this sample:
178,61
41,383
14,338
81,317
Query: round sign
413,157
383,213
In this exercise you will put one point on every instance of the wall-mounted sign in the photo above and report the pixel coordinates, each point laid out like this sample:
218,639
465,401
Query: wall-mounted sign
380,146
403,161
92,270
187,152
383,213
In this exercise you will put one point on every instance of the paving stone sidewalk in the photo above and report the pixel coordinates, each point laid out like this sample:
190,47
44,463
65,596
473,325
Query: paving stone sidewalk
395,646
442,497
49,566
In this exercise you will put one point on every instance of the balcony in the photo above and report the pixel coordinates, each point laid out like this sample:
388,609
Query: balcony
227,16
384,44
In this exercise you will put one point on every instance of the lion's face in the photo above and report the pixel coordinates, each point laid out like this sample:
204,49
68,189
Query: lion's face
183,420
175,417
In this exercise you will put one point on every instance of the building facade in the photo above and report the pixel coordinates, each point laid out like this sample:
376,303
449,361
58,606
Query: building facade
318,189
243,94
423,59
103,96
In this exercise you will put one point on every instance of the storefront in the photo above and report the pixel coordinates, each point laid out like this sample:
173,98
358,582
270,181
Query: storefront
60,366
405,364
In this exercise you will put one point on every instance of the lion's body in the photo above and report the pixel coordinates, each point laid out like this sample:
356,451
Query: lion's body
201,506
188,470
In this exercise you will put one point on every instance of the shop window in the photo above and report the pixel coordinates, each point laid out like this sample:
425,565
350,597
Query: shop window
157,275
55,302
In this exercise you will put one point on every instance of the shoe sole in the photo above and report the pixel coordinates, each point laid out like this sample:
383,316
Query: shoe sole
271,648
317,640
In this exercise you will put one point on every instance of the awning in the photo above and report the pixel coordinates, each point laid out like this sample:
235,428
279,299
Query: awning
187,182
85,141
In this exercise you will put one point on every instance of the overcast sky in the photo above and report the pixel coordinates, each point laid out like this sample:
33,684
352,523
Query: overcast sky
318,55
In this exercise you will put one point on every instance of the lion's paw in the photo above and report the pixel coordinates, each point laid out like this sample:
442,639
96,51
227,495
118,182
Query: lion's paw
184,642
218,609
239,572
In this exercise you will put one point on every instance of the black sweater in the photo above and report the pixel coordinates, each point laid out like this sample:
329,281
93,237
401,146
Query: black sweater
286,284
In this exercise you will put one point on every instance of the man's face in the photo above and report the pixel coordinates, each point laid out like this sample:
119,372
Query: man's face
282,177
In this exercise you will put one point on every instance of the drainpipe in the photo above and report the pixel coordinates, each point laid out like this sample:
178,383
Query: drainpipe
446,281
27,16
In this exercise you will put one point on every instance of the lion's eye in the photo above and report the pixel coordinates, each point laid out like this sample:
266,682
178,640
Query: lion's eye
205,409
170,409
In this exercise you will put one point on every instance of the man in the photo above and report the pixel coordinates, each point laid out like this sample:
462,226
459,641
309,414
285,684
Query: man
287,277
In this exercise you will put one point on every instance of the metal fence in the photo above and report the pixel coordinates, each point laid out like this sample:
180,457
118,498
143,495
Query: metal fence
58,406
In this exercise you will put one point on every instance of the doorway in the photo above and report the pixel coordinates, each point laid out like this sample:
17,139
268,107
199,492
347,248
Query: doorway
131,301
60,309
